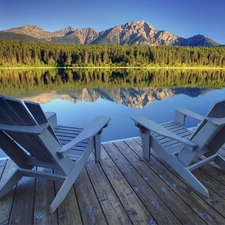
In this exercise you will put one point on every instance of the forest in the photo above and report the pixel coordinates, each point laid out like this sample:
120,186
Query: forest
24,81
44,54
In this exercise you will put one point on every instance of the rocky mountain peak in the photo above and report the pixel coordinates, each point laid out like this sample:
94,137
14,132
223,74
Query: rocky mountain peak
138,26
85,35
144,23
66,31
133,33
28,27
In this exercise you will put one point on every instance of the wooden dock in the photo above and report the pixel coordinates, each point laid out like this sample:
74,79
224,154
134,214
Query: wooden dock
121,189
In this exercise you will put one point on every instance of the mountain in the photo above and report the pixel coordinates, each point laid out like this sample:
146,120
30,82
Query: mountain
196,41
132,33
135,33
78,36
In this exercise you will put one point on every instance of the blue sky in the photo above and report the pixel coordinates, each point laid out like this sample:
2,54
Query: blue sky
184,18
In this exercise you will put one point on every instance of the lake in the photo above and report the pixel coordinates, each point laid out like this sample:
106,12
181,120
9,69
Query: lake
80,106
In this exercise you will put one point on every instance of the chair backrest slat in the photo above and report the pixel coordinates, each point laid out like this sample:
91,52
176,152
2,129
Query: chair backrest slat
36,111
218,138
218,110
209,135
7,114
39,115
14,112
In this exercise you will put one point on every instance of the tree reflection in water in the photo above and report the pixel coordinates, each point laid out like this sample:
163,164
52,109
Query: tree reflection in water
79,96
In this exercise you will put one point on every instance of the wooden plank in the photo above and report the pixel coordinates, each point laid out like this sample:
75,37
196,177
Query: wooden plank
68,210
111,205
194,200
134,207
44,194
216,190
215,171
23,205
6,201
90,209
175,204
214,177
102,198
146,194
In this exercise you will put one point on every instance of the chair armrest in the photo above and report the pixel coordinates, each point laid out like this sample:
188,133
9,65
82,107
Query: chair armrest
92,129
35,129
143,122
182,113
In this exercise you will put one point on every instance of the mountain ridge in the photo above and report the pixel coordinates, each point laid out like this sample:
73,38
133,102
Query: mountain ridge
131,33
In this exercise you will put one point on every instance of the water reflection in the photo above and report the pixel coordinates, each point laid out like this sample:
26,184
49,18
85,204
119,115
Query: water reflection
121,126
80,106
131,97
24,81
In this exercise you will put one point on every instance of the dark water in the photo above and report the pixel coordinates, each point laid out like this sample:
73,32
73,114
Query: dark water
81,107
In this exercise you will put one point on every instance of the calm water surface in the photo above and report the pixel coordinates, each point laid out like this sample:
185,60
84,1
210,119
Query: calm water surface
121,126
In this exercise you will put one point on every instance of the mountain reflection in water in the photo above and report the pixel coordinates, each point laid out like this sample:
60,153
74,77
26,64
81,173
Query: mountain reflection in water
80,106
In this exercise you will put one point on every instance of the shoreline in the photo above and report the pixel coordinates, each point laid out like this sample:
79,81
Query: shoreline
115,67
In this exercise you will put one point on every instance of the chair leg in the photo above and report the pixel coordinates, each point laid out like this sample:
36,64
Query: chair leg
177,165
97,147
187,175
67,184
194,182
71,177
11,182
220,161
146,143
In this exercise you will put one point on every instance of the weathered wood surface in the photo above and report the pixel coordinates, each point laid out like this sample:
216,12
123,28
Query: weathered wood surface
122,188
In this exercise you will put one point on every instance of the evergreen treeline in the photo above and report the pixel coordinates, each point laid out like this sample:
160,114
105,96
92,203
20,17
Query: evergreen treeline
20,53
23,81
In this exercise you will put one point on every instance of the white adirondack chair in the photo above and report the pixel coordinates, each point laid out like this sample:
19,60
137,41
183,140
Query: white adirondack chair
179,147
31,138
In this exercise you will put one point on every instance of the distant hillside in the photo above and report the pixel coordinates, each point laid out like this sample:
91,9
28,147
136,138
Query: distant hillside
131,33
196,41
18,37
